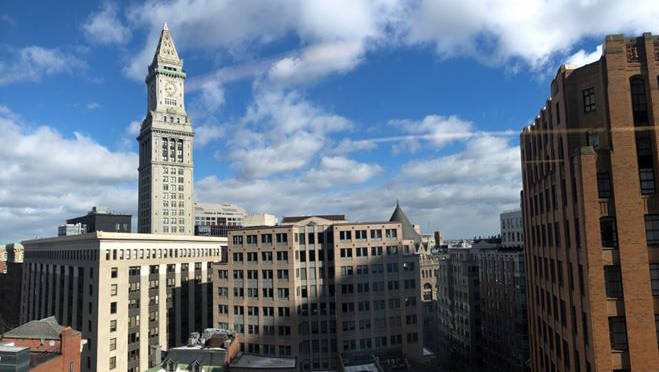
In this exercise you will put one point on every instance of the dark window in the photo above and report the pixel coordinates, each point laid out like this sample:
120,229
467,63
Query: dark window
645,163
639,102
618,333
589,100
604,185
608,232
613,281
652,229
654,279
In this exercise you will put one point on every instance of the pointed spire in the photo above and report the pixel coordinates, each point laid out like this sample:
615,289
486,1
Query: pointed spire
408,228
166,51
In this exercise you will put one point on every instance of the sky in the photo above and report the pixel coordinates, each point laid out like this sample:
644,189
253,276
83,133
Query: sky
299,106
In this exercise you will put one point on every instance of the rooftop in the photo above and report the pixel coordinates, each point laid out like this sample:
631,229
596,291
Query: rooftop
104,235
46,328
331,217
262,362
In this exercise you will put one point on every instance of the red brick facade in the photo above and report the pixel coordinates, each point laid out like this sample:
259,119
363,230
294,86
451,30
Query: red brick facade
589,165
67,348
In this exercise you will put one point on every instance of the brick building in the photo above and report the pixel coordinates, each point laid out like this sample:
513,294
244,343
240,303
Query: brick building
591,214
11,276
48,346
322,289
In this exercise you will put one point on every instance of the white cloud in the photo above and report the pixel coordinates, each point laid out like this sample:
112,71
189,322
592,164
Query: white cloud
347,145
211,130
105,27
32,63
473,184
582,57
339,170
281,132
47,178
436,129
531,30
335,32
93,106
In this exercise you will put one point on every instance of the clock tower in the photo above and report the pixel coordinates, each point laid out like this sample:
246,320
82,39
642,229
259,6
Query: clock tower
166,167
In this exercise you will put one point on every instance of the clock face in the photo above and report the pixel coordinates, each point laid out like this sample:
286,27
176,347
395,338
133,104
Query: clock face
170,88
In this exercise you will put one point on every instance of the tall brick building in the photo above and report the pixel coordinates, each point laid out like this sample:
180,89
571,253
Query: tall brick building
591,214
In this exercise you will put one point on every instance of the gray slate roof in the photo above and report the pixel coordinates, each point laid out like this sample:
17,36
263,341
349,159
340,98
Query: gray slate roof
408,228
46,328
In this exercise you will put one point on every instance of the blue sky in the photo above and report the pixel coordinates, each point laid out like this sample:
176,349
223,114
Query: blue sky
298,106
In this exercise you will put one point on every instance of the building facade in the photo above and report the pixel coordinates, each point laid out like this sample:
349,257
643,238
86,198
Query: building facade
11,276
512,229
165,191
589,163
99,219
215,219
318,288
459,309
127,293
504,319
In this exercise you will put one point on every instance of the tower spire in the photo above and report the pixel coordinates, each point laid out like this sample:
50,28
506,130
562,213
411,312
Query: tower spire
166,51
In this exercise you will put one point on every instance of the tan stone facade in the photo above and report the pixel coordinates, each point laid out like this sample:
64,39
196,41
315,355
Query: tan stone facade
590,209
124,292
319,287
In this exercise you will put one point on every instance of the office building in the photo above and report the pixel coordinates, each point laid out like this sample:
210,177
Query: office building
512,229
11,276
165,191
458,307
126,293
262,219
99,219
214,219
503,307
321,289
590,207
41,346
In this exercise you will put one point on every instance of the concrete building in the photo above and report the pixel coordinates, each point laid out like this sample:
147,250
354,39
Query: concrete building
214,219
512,229
99,219
459,309
262,219
41,346
503,306
589,163
165,190
11,276
319,288
70,229
116,287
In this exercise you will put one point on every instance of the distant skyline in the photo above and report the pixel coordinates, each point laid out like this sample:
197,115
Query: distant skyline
299,107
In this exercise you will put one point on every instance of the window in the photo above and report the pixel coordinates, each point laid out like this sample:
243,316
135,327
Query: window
113,326
113,308
113,344
113,362
604,185
113,272
345,235
588,100
608,232
266,238
282,256
613,281
390,233
592,139
645,162
376,234
618,333
652,229
113,290
654,279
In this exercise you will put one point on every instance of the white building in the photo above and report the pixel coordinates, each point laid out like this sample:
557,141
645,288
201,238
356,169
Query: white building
216,214
126,293
166,168
512,230
262,219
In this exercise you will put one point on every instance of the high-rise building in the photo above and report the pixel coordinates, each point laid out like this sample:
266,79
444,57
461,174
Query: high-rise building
503,307
323,289
128,294
11,276
215,219
512,229
591,214
166,167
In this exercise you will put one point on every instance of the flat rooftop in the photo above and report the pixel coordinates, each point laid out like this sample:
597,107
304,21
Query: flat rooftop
257,361
104,235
